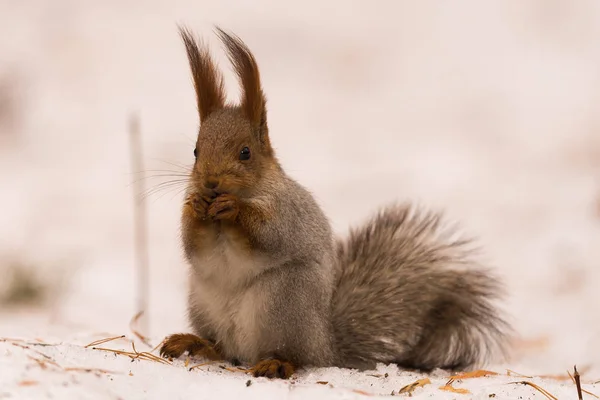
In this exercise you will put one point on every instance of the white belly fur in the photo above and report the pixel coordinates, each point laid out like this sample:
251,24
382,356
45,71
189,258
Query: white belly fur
231,307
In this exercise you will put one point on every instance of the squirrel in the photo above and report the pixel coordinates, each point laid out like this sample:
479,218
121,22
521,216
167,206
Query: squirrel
271,287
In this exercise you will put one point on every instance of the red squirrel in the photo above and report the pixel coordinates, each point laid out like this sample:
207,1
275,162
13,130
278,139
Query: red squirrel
270,285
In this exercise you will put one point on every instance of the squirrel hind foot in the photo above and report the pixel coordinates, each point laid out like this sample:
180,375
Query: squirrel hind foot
177,344
273,368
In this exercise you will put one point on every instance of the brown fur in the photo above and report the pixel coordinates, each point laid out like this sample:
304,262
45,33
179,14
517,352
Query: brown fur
176,345
273,369
430,304
208,81
267,285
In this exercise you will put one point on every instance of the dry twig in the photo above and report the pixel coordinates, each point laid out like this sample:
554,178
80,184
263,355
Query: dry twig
577,381
140,220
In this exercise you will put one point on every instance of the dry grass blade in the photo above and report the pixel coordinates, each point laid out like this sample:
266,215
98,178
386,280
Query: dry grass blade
119,352
510,372
11,340
149,356
539,389
135,355
132,324
43,364
412,386
158,345
25,342
236,369
102,341
202,365
94,370
20,345
361,392
473,374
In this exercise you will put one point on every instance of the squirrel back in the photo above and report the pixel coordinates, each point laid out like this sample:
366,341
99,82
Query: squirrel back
409,292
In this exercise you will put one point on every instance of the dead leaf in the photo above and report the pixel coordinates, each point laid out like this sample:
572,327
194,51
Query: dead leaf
361,392
412,386
473,374
28,383
450,388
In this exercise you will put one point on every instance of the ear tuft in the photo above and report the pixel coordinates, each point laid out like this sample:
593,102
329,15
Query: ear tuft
253,100
208,81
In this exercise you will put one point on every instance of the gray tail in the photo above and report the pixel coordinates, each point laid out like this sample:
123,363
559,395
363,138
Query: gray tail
409,292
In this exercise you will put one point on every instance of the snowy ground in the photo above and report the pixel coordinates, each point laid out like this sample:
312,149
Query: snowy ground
487,110
68,369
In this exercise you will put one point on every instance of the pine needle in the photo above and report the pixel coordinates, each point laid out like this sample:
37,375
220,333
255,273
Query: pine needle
510,372
201,365
539,389
94,370
102,341
132,324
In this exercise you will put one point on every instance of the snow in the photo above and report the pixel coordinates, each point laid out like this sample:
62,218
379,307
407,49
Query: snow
487,110
60,372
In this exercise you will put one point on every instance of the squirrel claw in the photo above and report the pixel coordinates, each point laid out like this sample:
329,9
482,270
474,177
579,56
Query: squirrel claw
175,345
273,368
224,207
197,205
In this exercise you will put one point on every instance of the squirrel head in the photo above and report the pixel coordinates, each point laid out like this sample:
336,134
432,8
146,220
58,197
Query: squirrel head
233,151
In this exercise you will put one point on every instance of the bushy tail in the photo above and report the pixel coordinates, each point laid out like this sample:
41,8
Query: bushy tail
409,293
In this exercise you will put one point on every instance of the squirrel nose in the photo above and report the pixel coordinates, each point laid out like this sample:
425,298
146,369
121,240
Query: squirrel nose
211,183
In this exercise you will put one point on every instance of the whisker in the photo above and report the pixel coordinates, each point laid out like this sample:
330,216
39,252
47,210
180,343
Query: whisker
159,170
182,166
177,192
168,183
163,186
167,191
184,178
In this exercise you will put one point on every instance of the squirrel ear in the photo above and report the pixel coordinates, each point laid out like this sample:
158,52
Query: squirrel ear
253,99
208,81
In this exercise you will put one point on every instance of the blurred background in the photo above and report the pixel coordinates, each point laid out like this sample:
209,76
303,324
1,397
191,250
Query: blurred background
486,110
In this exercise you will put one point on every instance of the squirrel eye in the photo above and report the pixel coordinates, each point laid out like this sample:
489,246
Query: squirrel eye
195,153
245,154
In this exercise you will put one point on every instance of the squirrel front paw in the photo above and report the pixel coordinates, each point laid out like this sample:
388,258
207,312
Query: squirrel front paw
273,368
224,207
196,206
175,345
